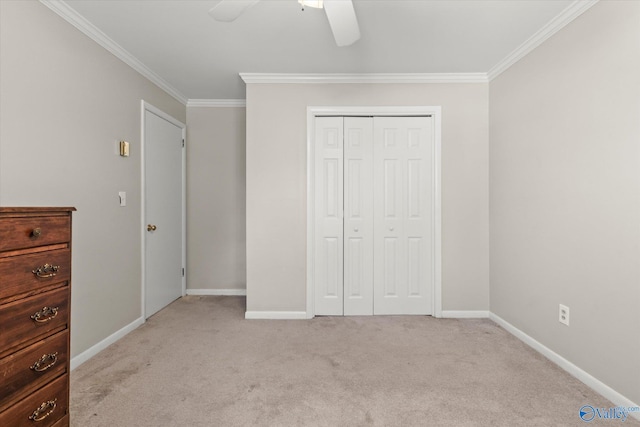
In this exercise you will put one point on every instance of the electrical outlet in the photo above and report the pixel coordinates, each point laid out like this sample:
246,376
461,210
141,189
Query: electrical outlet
563,316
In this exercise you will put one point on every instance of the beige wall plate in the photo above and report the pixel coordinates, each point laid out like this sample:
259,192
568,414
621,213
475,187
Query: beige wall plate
124,148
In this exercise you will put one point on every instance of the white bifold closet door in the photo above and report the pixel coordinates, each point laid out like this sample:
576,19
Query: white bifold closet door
373,189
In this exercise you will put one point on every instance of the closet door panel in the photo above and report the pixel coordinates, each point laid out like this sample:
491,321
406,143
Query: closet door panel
419,219
403,201
358,216
328,229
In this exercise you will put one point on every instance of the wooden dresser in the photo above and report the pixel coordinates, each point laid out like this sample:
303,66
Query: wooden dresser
35,300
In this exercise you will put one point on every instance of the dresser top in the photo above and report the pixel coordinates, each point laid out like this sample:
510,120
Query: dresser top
35,209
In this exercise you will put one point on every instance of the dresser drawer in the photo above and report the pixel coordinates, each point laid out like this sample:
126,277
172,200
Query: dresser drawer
33,366
48,404
26,274
31,231
30,318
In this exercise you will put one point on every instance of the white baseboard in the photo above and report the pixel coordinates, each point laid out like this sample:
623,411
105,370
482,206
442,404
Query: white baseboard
465,314
276,315
225,292
92,351
597,385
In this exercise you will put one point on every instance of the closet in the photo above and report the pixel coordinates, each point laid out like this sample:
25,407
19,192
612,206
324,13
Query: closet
373,186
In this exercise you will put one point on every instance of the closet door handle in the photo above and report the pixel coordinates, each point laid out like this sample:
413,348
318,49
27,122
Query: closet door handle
390,228
355,229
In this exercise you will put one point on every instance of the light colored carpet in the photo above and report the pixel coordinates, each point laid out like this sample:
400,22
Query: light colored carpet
199,363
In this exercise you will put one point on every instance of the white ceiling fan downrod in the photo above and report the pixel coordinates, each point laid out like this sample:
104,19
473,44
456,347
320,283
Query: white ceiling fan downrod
316,4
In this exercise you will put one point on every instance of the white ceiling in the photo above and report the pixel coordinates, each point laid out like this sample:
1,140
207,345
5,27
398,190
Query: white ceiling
201,58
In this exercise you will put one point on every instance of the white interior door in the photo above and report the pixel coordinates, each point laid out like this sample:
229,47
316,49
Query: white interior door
358,216
403,195
163,194
328,251
374,225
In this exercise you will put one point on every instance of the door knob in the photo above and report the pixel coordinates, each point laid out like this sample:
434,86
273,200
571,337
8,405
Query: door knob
151,227
390,228
355,229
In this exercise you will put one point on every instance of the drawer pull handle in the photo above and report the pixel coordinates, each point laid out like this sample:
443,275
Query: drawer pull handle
36,232
44,315
46,270
48,406
45,362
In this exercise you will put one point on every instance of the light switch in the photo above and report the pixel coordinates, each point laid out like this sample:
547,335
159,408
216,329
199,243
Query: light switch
123,198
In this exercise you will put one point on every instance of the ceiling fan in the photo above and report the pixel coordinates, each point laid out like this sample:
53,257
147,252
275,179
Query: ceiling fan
340,14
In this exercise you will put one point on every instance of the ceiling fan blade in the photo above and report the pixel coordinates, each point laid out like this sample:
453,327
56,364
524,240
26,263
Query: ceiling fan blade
230,10
343,21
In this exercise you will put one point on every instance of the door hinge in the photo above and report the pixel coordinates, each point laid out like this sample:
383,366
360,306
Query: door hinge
183,142
183,272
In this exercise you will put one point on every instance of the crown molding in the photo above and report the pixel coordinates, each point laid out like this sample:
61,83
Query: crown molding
81,23
570,13
281,78
217,103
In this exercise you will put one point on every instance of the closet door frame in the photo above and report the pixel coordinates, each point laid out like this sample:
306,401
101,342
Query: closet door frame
436,113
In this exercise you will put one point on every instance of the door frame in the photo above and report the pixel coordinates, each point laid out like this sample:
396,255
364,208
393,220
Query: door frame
436,113
145,106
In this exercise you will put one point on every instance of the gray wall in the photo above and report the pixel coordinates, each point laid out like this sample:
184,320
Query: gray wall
216,255
565,193
277,180
65,104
